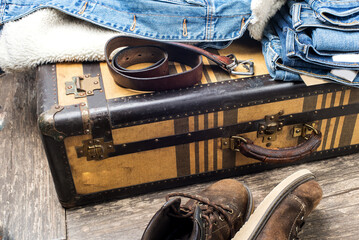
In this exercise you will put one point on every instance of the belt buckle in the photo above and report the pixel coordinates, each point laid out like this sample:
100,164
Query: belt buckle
247,64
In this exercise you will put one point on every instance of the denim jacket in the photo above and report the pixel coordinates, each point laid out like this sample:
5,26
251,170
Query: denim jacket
171,20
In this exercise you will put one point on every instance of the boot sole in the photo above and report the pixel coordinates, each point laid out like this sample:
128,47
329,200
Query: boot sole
260,216
250,206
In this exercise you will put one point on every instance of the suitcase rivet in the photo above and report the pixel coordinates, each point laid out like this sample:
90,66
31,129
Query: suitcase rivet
95,82
189,134
156,140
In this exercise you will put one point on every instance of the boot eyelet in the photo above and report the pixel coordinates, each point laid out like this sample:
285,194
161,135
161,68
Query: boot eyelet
220,218
230,211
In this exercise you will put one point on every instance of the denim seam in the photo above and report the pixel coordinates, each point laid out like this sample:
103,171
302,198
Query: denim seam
346,29
296,15
336,3
290,43
208,24
315,74
306,52
338,22
67,9
328,62
2,11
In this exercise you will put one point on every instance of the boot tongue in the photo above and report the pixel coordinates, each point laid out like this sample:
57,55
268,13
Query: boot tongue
159,226
198,230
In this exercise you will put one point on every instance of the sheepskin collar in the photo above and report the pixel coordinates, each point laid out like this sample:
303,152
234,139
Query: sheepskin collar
262,11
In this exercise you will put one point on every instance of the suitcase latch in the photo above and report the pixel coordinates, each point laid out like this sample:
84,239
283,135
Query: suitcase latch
304,130
82,86
270,127
95,149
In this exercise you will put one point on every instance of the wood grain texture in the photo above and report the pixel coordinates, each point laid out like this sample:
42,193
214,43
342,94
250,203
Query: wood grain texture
336,217
29,207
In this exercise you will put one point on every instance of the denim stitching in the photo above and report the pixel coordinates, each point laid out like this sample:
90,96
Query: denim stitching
67,9
2,11
208,12
315,74
338,22
306,52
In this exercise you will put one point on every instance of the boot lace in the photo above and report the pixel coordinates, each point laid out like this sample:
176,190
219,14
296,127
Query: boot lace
298,228
210,211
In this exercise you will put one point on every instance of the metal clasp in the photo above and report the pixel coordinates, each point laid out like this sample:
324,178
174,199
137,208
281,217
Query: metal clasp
270,127
82,86
95,149
305,130
232,142
247,64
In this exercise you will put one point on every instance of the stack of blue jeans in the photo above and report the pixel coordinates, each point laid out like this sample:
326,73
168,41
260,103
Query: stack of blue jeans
318,38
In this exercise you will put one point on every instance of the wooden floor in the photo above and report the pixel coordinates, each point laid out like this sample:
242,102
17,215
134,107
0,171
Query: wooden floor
29,208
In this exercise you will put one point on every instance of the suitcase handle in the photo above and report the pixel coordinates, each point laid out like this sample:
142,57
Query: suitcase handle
282,155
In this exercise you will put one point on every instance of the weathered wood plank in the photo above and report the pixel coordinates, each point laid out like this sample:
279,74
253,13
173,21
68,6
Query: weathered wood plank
29,206
335,217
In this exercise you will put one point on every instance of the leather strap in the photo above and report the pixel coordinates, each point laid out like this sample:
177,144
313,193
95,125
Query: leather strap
156,77
283,155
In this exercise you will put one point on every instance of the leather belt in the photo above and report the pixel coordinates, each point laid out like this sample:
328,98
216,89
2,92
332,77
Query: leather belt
156,77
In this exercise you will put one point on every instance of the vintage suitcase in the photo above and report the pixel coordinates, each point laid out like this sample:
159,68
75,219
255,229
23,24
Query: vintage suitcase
105,142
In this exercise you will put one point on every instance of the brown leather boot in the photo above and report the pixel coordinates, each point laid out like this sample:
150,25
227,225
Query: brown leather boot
216,213
281,214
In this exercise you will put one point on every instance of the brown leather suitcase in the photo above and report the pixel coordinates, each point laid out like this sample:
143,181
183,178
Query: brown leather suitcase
107,142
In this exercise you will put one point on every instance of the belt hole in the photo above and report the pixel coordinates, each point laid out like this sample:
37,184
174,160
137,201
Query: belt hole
185,33
134,23
83,9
